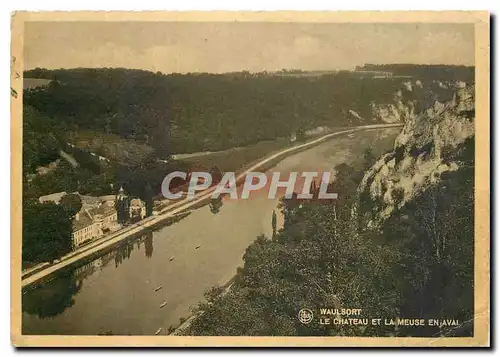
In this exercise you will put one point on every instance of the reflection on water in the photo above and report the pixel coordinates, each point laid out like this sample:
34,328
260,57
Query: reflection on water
57,295
215,204
123,252
148,245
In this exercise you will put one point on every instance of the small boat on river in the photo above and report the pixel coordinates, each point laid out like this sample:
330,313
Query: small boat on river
158,331
163,304
159,288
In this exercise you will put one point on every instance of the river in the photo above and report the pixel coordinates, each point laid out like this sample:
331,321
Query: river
116,293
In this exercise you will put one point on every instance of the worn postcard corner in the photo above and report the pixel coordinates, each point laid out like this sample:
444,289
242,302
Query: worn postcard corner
306,179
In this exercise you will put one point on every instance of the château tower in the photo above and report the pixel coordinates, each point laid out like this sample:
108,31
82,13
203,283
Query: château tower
121,194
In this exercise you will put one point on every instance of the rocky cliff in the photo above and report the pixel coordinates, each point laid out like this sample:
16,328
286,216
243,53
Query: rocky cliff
413,96
427,147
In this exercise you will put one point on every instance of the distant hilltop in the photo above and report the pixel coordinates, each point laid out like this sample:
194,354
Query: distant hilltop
395,69
434,71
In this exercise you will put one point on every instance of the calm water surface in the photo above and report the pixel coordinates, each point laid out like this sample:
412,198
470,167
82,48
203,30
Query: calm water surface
116,292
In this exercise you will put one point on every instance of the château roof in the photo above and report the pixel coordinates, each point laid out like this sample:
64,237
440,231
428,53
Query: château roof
86,217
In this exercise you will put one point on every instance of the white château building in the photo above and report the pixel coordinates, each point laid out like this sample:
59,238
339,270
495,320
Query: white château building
96,217
93,222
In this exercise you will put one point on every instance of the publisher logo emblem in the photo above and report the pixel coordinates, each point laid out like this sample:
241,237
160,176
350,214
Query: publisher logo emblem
305,316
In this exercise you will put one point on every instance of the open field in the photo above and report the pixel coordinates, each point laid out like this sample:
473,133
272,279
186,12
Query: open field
233,159
111,146
238,158
29,83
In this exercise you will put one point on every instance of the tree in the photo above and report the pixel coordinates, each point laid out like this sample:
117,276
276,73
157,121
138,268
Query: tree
41,139
122,206
47,232
301,134
71,203
148,199
273,223
435,234
316,260
368,158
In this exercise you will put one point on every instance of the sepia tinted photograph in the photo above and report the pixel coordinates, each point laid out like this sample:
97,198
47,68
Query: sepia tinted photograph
244,175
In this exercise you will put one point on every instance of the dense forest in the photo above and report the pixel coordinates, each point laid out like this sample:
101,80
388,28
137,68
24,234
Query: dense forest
324,258
198,112
139,118
134,120
135,117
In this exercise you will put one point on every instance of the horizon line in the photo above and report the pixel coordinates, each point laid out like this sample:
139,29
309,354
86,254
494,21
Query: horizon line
283,70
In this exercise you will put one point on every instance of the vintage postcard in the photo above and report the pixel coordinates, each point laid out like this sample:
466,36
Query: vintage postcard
250,179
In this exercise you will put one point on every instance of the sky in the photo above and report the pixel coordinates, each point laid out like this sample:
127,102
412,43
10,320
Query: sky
234,46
